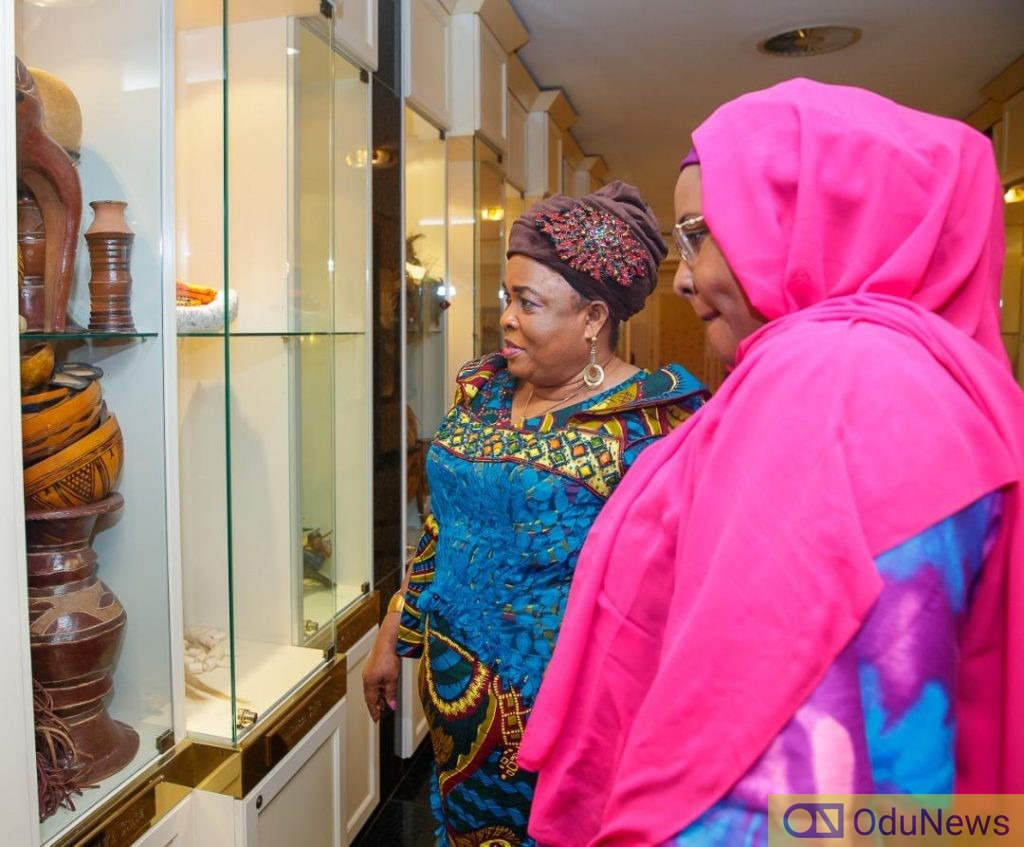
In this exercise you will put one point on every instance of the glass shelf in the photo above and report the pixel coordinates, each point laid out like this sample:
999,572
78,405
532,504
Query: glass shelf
85,335
267,334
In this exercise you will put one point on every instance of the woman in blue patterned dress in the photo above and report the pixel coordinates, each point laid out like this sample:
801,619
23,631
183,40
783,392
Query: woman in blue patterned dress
537,438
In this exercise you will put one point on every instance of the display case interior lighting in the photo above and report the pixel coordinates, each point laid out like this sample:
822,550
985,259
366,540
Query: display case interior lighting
492,213
1014,194
356,158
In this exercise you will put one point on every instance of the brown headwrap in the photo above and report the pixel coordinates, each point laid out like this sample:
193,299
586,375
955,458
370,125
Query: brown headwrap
606,245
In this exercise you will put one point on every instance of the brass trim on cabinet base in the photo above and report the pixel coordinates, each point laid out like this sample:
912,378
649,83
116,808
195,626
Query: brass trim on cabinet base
358,621
129,812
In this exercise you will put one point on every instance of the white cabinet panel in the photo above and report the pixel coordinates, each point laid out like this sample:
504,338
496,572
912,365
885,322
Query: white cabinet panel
493,89
479,81
355,26
427,67
362,745
544,176
515,172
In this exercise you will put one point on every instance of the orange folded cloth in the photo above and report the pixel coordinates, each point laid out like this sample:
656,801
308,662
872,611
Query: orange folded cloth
193,295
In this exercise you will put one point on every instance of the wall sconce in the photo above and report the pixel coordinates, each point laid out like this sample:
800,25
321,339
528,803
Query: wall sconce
383,158
492,213
1014,194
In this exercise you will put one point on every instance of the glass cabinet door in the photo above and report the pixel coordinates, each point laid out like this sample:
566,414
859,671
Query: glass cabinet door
273,369
93,214
427,391
489,212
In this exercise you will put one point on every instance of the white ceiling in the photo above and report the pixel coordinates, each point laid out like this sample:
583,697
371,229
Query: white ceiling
642,74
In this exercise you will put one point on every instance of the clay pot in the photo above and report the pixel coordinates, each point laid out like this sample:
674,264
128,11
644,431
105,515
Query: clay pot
109,217
110,251
82,473
76,625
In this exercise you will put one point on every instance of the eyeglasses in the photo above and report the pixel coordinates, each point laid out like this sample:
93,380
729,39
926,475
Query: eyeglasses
688,235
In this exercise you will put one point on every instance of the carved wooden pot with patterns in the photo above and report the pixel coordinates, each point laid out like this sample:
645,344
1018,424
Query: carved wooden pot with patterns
76,628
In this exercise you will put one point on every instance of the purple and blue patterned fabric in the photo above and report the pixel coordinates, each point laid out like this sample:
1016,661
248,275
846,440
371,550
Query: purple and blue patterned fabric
881,721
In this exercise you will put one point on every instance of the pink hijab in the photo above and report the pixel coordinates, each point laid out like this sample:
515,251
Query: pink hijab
736,559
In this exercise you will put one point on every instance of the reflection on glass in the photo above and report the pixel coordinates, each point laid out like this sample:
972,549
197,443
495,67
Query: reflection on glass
426,300
490,246
311,293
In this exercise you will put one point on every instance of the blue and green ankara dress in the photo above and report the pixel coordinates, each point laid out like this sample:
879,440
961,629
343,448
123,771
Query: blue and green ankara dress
512,506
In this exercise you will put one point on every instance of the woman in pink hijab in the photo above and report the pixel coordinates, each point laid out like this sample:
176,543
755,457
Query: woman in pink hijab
815,584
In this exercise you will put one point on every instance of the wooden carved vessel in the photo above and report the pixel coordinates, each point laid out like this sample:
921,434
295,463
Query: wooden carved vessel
110,254
47,171
76,628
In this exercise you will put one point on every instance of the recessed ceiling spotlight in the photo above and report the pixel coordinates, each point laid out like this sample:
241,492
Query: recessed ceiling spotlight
810,41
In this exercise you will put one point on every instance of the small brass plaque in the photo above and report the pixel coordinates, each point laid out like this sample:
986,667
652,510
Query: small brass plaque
128,823
364,617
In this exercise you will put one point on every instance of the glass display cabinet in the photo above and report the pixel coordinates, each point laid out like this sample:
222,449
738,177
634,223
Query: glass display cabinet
271,257
489,244
427,300
94,282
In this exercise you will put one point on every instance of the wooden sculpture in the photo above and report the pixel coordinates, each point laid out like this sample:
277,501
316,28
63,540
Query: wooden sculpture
46,170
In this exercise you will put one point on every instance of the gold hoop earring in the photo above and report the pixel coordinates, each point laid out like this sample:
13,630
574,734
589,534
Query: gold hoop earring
593,373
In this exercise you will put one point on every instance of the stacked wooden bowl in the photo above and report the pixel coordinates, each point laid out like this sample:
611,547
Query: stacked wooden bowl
72,446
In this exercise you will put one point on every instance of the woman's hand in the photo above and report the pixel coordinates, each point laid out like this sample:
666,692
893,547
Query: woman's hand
380,675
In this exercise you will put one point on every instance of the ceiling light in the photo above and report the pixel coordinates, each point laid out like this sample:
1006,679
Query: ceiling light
810,41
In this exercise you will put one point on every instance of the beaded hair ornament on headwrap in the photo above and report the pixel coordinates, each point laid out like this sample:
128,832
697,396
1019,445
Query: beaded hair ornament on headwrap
596,243
606,245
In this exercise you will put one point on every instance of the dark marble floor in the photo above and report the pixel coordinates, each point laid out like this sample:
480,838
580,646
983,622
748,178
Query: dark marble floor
404,819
